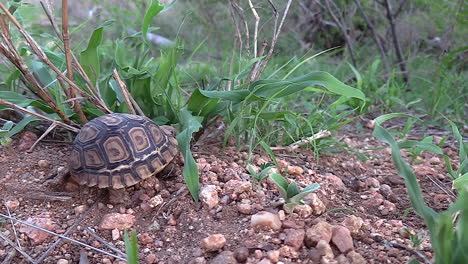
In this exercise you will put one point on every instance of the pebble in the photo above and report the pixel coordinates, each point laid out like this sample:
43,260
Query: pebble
43,164
265,219
335,181
36,235
341,237
372,183
151,258
303,210
341,259
288,252
324,249
353,223
115,234
241,254
145,239
294,237
225,257
213,242
320,231
62,261
273,255
356,258
12,204
80,209
264,261
318,207
155,201
244,208
27,140
117,221
209,196
295,170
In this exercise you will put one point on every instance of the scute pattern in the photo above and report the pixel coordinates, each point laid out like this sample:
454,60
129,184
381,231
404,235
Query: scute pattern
119,150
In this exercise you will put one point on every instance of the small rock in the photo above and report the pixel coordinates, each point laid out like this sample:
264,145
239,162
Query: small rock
27,140
289,224
62,261
335,181
155,201
387,207
115,234
43,164
324,249
213,242
320,231
12,204
295,170
341,259
265,219
36,235
372,183
328,260
288,252
356,258
225,257
341,237
241,254
117,221
375,200
151,258
145,239
264,261
318,207
198,260
353,223
209,196
304,210
80,209
244,208
273,255
294,237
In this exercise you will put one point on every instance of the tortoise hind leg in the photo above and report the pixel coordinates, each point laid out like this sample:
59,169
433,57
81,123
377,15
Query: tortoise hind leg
118,196
62,180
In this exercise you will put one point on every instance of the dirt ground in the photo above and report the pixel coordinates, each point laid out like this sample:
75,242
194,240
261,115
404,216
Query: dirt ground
367,197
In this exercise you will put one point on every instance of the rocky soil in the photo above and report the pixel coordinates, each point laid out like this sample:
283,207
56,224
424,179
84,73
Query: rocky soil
359,215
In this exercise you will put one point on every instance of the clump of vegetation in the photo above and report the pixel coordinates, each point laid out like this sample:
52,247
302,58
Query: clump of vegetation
447,229
290,191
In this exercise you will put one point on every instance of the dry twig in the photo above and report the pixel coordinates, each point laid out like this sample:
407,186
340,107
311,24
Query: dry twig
16,247
297,144
64,237
126,94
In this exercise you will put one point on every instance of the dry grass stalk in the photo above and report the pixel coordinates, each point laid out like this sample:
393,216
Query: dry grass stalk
257,22
68,56
123,89
297,144
26,111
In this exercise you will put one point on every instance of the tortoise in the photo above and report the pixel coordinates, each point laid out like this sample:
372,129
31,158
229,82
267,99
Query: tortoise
115,151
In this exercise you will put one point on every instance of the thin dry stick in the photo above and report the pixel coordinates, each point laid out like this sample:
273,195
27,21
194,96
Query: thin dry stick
24,110
374,34
297,144
254,72
77,222
240,12
51,127
17,248
344,31
275,38
100,239
66,41
64,237
123,89
13,226
396,41
257,22
38,51
8,49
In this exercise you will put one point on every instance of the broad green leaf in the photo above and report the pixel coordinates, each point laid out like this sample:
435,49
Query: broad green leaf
306,191
379,120
23,101
201,105
90,57
461,182
292,191
190,124
152,11
21,125
281,183
406,144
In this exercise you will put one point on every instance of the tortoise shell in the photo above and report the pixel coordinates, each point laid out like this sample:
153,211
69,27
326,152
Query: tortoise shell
120,150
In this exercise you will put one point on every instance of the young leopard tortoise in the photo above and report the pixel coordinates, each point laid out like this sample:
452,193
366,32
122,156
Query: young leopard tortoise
119,150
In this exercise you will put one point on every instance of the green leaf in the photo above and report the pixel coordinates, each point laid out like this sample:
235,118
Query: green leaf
311,188
90,57
281,183
23,101
200,104
292,191
152,11
190,124
131,247
461,182
21,125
